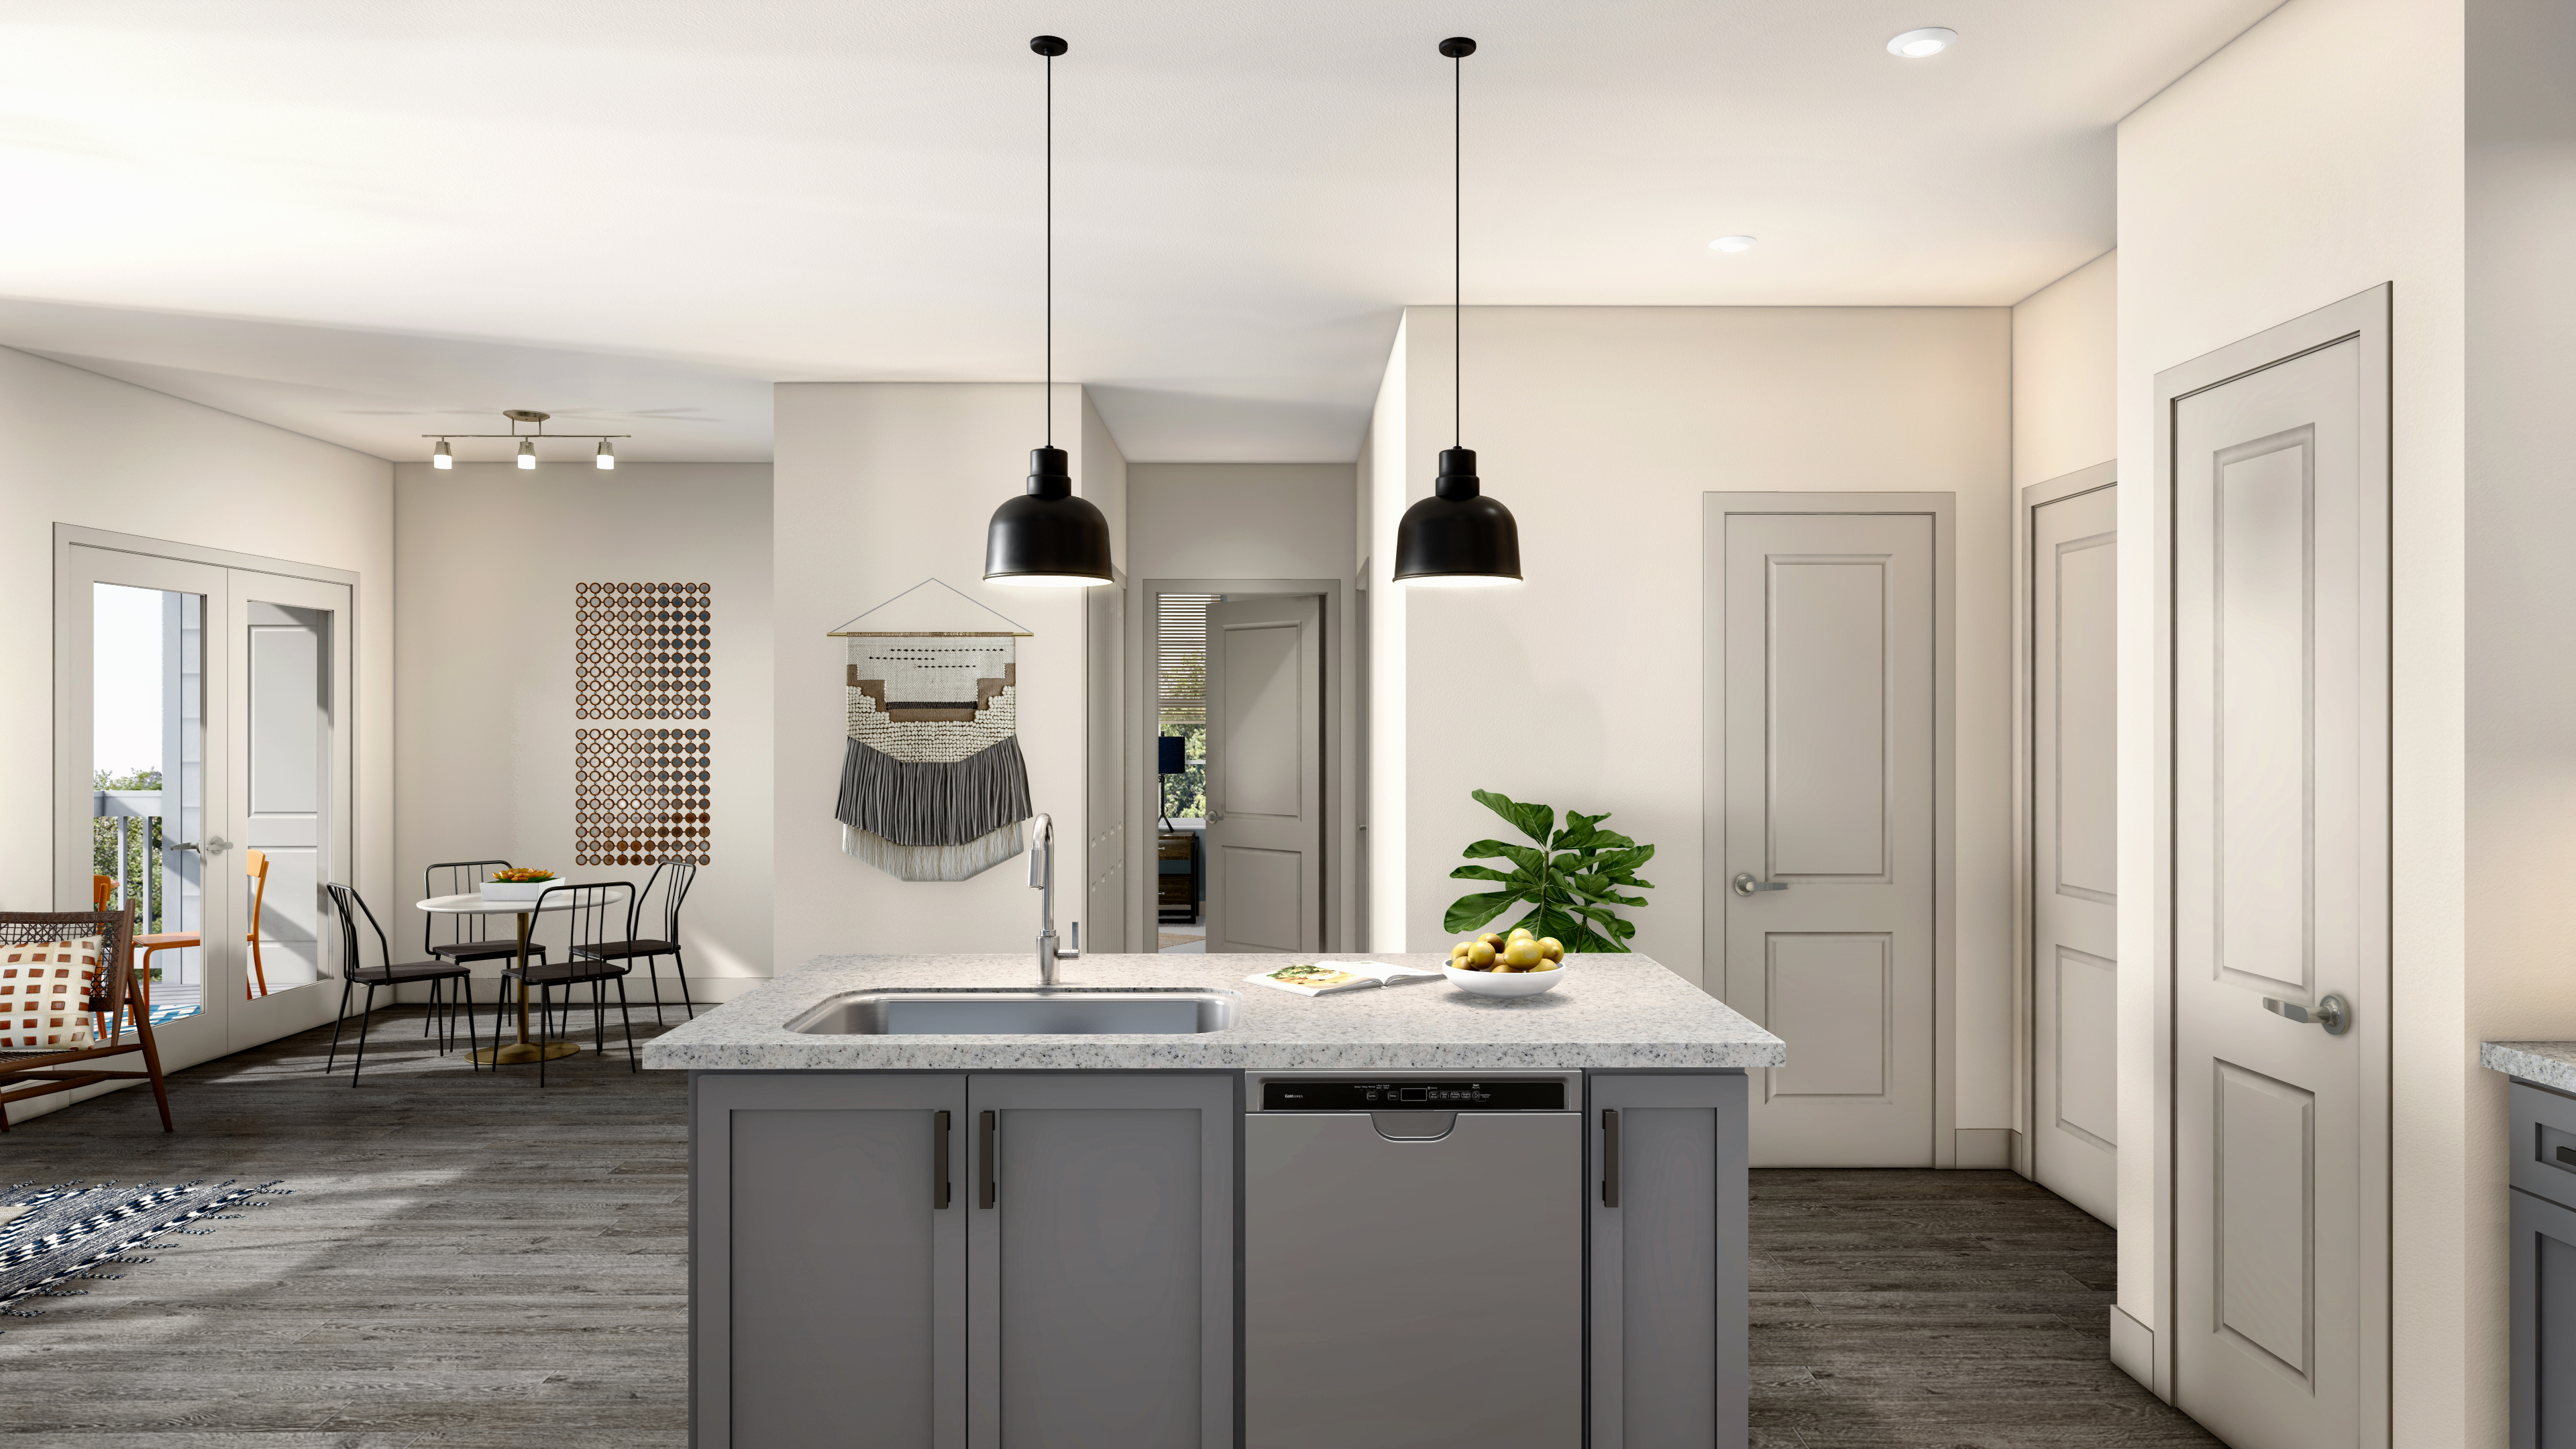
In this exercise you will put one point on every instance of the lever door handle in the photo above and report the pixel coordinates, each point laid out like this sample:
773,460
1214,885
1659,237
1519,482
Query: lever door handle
1746,885
2331,1012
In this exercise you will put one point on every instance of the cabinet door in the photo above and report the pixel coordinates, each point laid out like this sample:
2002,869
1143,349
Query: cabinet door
2544,1324
827,1294
1669,1300
1101,1276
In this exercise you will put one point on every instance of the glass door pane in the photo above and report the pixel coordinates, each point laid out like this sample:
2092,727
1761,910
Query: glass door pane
148,770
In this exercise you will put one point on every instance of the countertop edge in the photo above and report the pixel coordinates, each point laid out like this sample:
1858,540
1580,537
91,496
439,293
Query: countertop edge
2550,1063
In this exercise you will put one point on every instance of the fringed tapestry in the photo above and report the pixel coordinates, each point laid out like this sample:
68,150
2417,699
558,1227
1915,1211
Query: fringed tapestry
932,785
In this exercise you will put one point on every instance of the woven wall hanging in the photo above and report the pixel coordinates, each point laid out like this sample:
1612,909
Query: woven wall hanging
932,783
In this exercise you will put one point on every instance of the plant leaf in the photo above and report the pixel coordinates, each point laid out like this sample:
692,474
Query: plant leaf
1481,872
1535,821
1469,912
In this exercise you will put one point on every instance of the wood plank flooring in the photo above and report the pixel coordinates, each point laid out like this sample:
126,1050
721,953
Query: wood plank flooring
1937,1310
465,1259
469,1261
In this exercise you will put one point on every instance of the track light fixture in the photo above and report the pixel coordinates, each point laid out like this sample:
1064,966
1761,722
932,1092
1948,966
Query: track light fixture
1047,537
444,457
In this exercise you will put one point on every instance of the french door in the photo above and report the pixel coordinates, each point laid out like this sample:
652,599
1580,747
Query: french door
202,712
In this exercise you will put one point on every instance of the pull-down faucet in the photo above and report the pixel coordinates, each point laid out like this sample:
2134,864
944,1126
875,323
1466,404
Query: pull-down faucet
1042,880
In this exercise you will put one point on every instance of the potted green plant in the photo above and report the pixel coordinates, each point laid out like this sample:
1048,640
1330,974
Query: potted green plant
1570,879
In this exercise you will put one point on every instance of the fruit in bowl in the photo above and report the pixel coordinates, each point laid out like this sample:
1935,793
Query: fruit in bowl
522,875
1520,951
1520,964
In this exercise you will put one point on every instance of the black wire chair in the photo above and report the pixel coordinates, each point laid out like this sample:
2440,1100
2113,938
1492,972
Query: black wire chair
348,908
673,878
590,916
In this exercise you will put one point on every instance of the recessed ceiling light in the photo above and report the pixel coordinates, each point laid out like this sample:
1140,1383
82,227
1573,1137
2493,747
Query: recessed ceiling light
1731,244
1916,44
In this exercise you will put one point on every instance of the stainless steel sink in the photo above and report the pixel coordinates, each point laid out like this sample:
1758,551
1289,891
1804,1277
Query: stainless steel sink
1040,1012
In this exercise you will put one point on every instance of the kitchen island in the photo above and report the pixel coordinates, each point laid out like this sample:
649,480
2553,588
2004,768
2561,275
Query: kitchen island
1376,1219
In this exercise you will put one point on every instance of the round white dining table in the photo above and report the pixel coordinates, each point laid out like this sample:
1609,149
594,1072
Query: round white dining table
522,1050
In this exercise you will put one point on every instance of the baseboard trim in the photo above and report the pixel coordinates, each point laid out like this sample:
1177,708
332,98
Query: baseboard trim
1985,1147
2133,1348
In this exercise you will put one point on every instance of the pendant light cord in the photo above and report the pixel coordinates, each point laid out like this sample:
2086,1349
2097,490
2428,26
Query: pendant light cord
1457,250
1047,398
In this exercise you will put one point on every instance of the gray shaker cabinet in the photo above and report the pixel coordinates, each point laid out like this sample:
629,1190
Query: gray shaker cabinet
2543,1171
1666,1159
945,1260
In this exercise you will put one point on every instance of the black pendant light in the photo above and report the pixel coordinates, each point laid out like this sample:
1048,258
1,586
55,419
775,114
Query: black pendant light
1457,538
1047,537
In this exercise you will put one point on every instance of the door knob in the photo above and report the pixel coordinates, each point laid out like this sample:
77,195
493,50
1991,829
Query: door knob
2331,1012
1746,885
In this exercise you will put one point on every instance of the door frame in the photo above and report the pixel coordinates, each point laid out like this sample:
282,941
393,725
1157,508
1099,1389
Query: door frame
1942,506
2362,317
2025,792
72,802
1340,728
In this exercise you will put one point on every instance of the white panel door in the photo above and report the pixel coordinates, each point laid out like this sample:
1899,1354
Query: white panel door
1265,847
2074,945
1828,865
291,790
2280,828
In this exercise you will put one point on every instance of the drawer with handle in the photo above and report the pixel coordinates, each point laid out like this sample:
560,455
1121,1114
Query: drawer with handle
2544,1143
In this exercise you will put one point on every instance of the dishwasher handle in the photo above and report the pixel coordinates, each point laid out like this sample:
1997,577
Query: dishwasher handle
1610,1157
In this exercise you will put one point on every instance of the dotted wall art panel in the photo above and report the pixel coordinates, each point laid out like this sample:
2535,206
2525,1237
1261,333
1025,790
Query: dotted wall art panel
643,750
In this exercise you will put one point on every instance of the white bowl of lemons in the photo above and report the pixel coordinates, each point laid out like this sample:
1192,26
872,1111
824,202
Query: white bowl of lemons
1520,964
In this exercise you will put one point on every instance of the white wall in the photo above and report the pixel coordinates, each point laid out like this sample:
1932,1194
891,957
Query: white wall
88,450
2318,155
879,486
2521,709
2065,378
487,556
1601,429
1239,520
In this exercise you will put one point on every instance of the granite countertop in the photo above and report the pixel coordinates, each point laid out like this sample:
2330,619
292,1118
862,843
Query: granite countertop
1611,1011
2550,1063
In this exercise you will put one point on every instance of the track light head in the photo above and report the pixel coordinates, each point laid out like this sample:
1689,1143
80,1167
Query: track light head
527,452
443,456
607,458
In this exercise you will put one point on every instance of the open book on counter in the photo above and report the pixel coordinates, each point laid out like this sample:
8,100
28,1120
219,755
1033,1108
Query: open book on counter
1319,978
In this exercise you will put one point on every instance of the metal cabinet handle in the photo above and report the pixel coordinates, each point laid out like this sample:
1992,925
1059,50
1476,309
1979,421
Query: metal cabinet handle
2331,1012
939,1160
1609,1157
1746,885
985,1191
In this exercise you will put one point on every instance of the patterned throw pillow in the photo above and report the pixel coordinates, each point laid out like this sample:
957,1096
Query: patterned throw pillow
45,991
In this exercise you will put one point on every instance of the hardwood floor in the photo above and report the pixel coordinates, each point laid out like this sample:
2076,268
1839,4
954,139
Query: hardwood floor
469,1261
465,1259
1945,1310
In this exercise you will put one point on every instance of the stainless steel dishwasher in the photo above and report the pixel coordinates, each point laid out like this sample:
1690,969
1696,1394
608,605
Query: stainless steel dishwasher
1413,1261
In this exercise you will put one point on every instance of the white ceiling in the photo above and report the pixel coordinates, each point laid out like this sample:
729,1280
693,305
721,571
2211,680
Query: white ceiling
366,222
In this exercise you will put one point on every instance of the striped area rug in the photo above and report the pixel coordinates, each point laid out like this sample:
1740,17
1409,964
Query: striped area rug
51,1236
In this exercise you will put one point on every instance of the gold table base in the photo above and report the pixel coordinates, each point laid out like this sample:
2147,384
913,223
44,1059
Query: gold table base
526,1051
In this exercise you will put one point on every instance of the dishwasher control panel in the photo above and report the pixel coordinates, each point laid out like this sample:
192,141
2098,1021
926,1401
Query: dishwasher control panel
1351,1094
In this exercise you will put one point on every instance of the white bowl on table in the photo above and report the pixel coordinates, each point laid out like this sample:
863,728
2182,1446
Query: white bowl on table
1505,983
516,890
